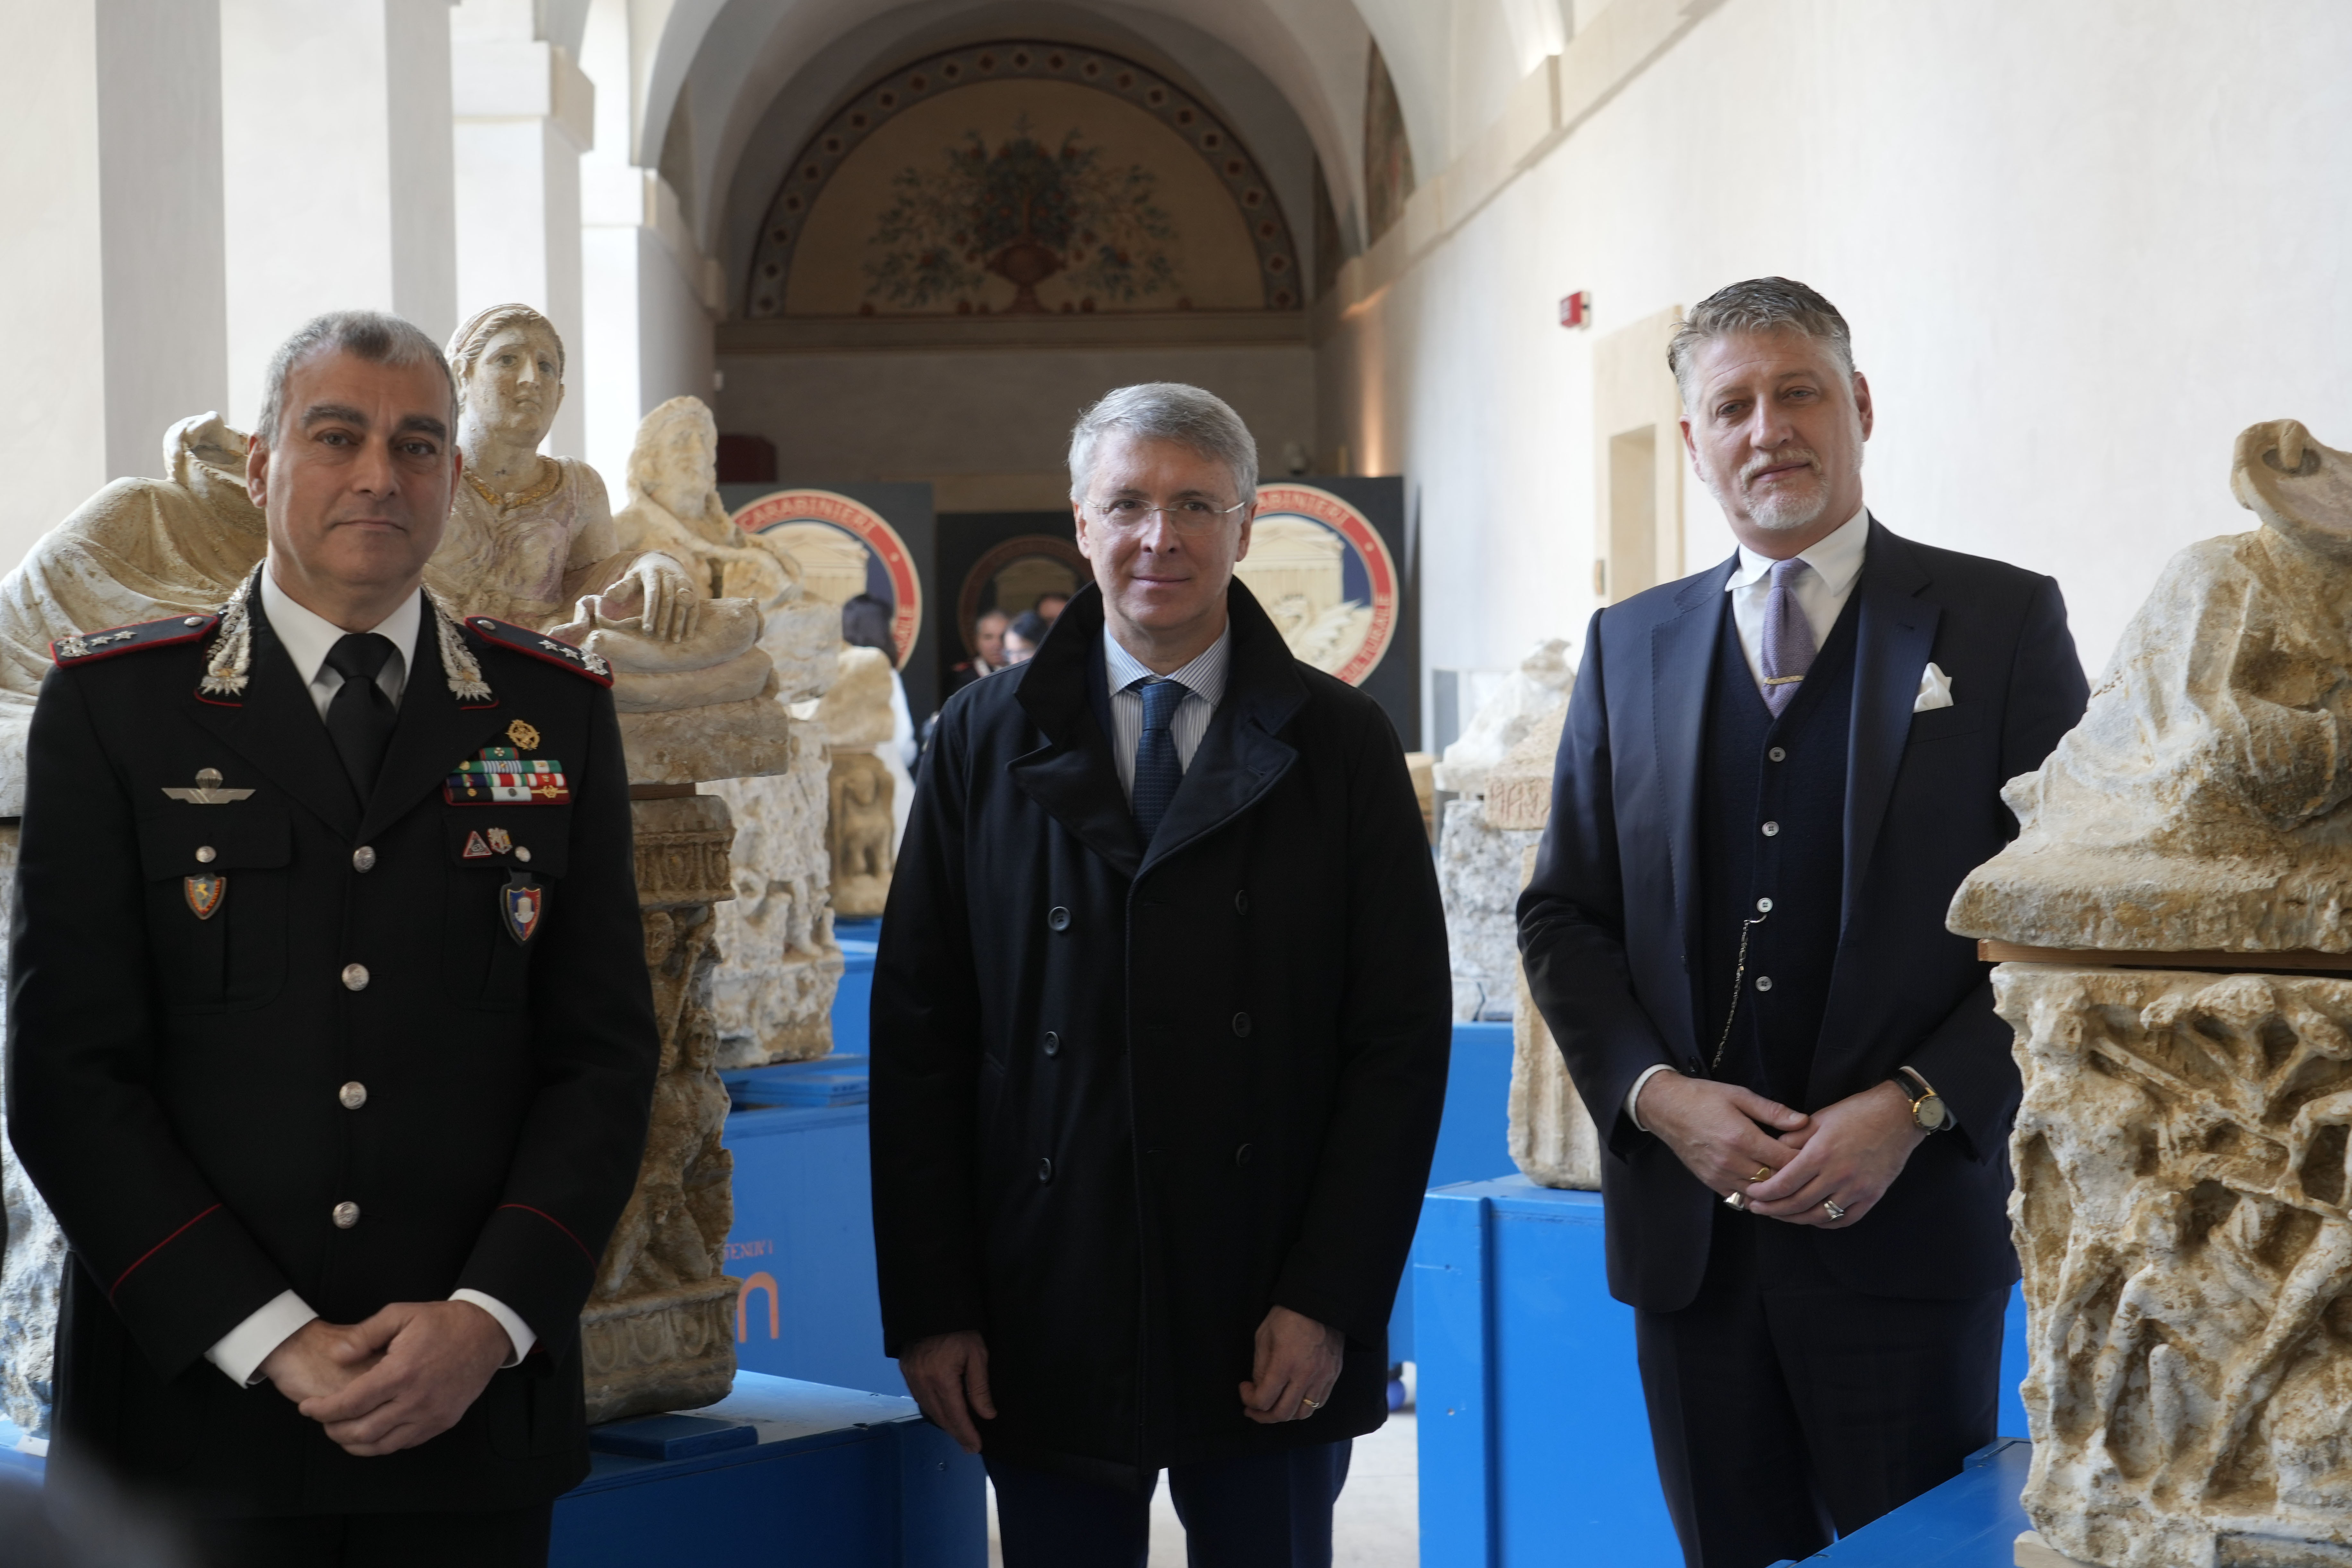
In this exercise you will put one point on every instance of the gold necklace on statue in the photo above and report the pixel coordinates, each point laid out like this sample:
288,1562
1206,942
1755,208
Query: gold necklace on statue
537,493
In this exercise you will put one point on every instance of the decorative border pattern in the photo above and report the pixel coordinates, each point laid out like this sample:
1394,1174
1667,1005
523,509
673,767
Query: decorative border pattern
803,184
1321,506
872,530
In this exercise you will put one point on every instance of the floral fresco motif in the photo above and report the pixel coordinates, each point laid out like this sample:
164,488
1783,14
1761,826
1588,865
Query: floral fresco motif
1026,211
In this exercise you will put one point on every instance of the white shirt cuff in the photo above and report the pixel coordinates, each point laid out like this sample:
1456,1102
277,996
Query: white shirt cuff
517,1330
1633,1095
241,1351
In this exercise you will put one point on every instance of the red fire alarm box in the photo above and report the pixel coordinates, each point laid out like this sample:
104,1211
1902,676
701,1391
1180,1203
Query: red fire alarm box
1576,309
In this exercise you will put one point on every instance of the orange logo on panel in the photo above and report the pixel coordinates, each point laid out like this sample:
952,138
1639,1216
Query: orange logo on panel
763,1280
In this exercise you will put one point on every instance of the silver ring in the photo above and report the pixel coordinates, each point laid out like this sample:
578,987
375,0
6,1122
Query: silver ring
1735,1200
1829,1206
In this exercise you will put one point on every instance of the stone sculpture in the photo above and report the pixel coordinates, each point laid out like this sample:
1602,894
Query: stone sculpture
1478,864
855,717
530,535
773,987
2182,1148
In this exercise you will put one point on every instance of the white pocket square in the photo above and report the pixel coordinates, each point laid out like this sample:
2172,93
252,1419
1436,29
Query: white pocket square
1934,691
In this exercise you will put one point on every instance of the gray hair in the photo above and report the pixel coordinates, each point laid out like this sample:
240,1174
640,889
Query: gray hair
1757,305
370,335
1166,411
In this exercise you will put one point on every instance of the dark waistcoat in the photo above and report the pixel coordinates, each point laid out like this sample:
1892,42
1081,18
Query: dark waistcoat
1772,838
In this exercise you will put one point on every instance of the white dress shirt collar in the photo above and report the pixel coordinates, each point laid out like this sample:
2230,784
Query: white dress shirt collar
1836,560
1205,677
309,636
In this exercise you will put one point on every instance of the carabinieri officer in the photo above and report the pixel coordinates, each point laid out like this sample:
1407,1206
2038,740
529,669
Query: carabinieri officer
329,1038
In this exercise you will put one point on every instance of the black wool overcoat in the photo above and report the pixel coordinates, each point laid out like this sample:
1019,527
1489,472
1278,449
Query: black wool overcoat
196,1095
1127,1099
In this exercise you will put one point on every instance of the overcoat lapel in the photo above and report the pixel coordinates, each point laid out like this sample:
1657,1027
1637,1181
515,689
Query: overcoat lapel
433,735
276,728
1682,658
1239,759
1896,634
1073,777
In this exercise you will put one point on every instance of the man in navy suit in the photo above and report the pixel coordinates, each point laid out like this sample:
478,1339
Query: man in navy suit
1774,775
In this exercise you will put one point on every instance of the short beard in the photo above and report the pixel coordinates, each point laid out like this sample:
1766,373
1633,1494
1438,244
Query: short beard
1782,513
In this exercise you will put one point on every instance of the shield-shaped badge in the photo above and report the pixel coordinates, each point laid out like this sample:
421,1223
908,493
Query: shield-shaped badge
521,904
204,895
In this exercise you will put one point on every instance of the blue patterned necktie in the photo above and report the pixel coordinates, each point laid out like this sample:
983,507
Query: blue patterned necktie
1789,647
1157,771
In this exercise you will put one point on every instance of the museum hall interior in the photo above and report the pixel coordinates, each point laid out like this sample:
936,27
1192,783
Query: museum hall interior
1165,608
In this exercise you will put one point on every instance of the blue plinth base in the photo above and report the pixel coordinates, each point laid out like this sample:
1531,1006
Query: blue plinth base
1474,1142
1972,1520
829,1476
1532,1430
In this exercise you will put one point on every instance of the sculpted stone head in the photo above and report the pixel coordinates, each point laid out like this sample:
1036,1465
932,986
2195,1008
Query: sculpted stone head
508,365
674,465
2301,488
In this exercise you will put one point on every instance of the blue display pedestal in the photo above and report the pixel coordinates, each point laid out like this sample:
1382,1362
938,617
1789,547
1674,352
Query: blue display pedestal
828,1476
1972,1520
1473,1144
1533,1436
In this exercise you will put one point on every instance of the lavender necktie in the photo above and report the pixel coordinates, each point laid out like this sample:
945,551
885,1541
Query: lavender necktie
1789,647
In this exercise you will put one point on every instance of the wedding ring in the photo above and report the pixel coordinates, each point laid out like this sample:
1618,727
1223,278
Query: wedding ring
1735,1200
1761,1172
1312,1404
1829,1207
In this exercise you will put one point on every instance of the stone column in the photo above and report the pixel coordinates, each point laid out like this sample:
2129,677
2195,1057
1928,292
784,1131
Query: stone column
361,86
658,1332
525,113
113,247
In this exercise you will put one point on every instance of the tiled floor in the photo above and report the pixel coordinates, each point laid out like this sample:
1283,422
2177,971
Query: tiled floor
1377,1524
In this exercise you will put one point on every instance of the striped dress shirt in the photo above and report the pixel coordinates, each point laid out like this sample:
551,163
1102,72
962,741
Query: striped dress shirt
1203,681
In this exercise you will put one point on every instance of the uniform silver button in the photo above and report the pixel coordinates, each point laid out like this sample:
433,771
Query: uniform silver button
522,853
1777,754
1763,983
355,976
364,858
1763,906
1771,830
347,1214
206,855
352,1095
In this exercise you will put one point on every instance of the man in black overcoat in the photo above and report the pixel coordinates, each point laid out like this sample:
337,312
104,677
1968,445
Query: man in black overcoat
329,1036
1160,1023
1774,775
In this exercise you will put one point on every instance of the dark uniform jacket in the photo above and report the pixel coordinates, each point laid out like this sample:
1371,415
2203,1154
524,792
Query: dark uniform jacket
1609,928
182,1089
1129,1100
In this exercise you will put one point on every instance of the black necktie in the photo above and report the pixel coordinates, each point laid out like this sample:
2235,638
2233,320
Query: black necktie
360,717
1157,771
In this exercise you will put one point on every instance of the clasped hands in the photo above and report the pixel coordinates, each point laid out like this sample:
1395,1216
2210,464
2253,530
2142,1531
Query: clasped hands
1848,1154
1296,1365
401,1378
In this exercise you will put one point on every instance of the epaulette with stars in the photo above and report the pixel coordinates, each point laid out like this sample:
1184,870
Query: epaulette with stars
540,645
85,647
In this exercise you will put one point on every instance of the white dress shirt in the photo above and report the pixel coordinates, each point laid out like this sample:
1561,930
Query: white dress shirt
1203,681
309,637
1821,592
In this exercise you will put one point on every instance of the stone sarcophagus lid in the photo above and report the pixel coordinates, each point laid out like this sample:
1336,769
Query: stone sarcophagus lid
2175,919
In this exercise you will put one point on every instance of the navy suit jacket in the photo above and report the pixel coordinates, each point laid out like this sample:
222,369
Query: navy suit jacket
1607,927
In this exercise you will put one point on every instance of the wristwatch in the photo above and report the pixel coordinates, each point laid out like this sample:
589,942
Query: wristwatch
1929,1111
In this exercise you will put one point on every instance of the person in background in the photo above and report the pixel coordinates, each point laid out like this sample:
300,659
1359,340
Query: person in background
1049,607
1020,639
988,639
866,623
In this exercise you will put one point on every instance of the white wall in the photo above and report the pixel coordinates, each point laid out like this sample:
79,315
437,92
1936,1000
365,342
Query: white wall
341,191
111,253
2080,248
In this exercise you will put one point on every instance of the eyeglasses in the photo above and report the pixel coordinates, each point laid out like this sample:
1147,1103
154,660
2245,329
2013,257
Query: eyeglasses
1130,514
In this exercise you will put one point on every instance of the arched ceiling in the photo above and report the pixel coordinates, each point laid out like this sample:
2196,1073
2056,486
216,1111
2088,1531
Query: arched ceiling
757,75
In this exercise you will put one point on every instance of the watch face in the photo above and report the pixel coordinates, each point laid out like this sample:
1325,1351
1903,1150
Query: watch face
1929,1112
